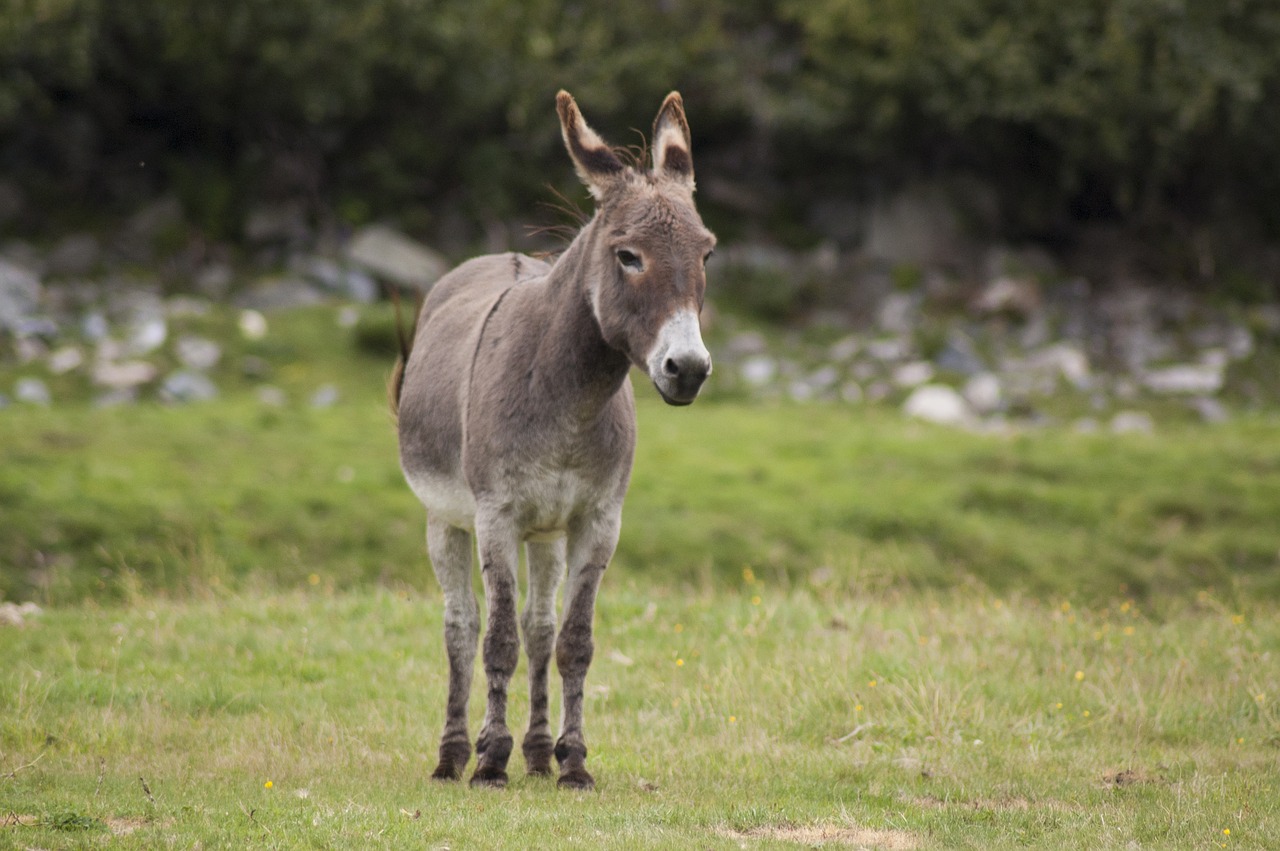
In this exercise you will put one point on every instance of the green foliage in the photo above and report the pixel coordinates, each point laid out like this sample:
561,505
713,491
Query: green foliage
1139,109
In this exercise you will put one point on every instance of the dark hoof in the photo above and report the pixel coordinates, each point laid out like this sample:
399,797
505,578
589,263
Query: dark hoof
453,759
447,772
537,756
576,779
490,777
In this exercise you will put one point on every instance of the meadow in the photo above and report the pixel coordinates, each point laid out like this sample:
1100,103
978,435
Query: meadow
825,626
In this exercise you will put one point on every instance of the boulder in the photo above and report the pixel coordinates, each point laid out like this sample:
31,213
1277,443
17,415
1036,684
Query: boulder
391,255
20,293
938,403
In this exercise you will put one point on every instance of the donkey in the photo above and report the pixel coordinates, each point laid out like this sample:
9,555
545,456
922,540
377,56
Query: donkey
517,425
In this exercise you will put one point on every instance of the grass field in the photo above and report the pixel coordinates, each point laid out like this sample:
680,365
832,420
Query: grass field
824,626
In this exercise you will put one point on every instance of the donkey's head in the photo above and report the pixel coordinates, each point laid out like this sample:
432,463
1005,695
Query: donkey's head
645,270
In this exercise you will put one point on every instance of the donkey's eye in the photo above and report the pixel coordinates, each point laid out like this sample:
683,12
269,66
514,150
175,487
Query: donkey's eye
630,260
707,257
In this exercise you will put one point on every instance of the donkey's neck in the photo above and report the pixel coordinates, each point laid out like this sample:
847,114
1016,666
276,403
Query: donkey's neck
574,363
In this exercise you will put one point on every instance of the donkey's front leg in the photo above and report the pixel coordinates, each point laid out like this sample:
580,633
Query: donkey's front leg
546,571
498,560
589,552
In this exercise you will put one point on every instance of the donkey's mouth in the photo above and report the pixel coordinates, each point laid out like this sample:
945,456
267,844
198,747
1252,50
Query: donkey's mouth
675,401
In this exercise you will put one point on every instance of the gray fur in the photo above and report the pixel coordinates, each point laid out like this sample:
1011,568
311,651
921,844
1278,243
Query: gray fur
517,425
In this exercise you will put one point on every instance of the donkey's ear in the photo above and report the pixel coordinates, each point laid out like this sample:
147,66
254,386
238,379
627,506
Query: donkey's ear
595,161
671,145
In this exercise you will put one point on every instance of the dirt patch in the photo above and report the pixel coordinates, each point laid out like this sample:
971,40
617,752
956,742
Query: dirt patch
826,834
126,826
1127,777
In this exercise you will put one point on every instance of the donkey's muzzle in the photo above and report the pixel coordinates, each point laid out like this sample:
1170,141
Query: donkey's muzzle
679,363
682,377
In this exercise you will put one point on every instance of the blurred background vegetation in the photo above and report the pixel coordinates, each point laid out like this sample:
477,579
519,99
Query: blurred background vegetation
1156,116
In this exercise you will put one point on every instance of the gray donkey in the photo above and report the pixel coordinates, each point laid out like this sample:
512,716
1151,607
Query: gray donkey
517,425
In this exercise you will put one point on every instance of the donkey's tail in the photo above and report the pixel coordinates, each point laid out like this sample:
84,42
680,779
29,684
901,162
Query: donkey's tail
405,342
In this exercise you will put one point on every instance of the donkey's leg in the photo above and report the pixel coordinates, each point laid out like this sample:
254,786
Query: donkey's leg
450,550
499,557
546,569
589,552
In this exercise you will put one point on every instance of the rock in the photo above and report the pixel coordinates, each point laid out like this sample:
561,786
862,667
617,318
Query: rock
1132,422
146,333
94,326
326,396
913,374
851,392
276,223
123,375
1199,379
395,257
958,354
15,615
353,284
1061,359
890,349
348,316
1010,296
938,403
759,370
213,281
1085,425
65,359
253,325
77,254
824,378
984,393
1210,410
280,294
20,293
33,391
187,386
845,349
897,313
198,353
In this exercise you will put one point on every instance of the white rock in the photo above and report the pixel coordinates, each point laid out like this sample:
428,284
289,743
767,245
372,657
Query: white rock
122,375
198,353
897,313
253,325
913,374
1132,422
759,370
1197,379
938,403
326,396
65,359
396,257
187,386
983,392
33,391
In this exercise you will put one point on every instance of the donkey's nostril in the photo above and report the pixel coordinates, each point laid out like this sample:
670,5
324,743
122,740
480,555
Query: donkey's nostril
670,367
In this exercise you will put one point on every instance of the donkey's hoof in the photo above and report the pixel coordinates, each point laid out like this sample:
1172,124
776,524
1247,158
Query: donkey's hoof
537,756
447,772
489,777
576,779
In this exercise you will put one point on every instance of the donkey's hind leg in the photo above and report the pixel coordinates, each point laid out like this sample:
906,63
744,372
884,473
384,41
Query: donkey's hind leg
450,550
546,570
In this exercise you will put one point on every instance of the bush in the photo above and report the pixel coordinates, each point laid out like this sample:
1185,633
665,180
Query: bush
1138,110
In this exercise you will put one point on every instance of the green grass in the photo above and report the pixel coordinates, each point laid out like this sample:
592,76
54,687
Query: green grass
824,625
941,720
103,504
